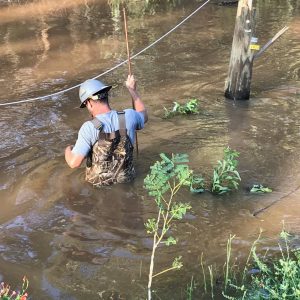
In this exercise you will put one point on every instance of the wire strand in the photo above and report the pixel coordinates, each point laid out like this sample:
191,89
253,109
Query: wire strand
113,68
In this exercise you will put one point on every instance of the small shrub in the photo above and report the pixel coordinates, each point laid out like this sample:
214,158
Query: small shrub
190,107
225,175
165,179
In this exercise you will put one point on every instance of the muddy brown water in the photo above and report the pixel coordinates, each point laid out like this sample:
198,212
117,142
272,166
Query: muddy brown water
76,242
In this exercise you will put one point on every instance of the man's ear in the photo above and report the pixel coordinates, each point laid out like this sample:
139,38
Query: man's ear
89,102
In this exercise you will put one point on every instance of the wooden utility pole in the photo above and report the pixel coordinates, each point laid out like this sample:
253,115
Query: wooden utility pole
238,83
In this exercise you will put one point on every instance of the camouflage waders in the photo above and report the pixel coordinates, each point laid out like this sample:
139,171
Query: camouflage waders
111,159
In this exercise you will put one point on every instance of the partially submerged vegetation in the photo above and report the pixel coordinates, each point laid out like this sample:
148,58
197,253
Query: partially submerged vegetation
188,108
260,278
164,181
6,293
260,189
225,175
225,178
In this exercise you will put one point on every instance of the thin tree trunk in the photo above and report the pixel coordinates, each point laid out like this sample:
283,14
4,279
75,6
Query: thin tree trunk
151,272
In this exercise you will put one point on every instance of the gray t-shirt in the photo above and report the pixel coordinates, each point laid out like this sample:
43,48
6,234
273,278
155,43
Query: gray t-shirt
88,134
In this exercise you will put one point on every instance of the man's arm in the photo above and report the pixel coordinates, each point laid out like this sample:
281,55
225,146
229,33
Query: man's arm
139,106
87,136
73,160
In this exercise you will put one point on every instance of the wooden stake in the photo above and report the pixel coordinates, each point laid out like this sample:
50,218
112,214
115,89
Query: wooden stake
129,70
270,42
238,83
127,43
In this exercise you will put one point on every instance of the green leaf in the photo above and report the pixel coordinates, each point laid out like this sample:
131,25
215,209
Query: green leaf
178,210
170,241
177,262
285,235
151,226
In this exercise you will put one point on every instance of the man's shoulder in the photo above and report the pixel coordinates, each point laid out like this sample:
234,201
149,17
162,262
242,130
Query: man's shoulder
97,124
88,126
134,118
130,112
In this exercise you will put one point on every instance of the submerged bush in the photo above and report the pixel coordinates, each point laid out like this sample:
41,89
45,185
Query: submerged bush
260,189
190,107
225,175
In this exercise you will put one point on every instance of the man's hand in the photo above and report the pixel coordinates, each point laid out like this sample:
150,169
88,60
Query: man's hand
131,83
138,103
70,147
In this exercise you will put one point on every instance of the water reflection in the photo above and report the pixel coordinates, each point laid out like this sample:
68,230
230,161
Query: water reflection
141,8
28,10
76,242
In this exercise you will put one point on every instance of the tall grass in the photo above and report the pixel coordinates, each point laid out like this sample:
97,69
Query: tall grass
260,278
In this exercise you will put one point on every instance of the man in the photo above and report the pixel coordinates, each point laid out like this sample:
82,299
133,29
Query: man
107,140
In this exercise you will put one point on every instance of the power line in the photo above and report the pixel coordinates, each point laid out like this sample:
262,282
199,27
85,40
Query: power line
113,68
